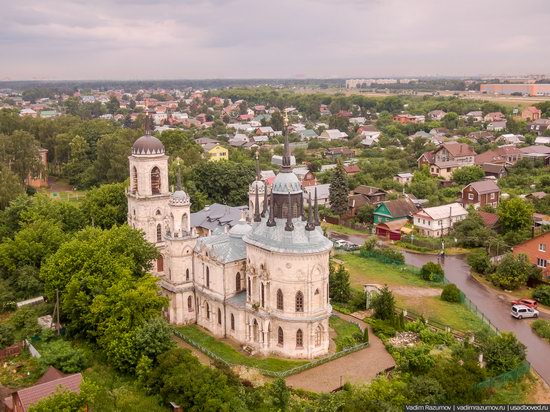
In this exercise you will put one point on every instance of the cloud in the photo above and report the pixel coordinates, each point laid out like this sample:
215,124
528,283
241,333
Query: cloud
129,39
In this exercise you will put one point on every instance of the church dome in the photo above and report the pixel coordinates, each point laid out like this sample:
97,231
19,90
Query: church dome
147,145
178,198
257,183
285,183
240,229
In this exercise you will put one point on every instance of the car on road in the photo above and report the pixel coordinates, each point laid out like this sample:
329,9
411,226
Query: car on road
531,303
339,243
522,311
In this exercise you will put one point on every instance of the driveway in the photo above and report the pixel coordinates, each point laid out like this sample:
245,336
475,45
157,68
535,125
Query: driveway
358,367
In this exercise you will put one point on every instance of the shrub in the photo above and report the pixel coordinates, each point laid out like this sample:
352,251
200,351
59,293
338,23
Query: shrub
382,328
503,352
432,272
6,336
541,328
24,320
416,359
451,293
63,356
512,271
392,254
479,261
370,243
542,294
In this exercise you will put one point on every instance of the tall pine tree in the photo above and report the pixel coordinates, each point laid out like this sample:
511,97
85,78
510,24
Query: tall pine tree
339,190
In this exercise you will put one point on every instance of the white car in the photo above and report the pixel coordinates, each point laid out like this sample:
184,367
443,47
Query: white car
522,311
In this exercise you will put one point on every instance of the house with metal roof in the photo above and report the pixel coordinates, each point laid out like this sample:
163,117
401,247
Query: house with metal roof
439,220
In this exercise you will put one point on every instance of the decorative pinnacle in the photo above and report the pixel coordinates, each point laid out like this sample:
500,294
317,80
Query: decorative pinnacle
178,173
289,226
286,152
258,174
310,225
264,209
316,210
257,217
271,220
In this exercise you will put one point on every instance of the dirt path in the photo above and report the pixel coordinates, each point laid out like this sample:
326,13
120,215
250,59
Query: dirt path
359,367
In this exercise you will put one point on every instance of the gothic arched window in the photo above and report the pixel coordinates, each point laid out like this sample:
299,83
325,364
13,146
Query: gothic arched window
263,295
280,336
219,317
186,274
160,264
207,311
159,233
238,282
318,335
232,322
280,301
299,338
249,290
299,302
134,180
155,181
190,304
207,277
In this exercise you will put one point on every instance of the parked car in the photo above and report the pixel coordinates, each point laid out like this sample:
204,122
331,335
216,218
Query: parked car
531,303
522,311
349,246
340,243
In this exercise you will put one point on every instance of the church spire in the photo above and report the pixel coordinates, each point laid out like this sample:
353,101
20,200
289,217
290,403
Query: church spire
271,220
264,209
289,226
286,151
316,207
310,225
178,174
257,217
147,123
258,174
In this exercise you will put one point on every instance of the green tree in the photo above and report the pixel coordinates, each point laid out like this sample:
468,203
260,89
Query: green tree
10,186
79,162
513,271
422,184
63,356
432,272
20,153
383,304
339,190
112,151
68,401
515,215
7,336
479,261
340,288
468,174
112,105
451,293
106,205
277,121
472,232
503,352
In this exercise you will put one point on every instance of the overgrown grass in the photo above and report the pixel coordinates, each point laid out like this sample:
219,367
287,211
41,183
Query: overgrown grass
542,328
343,229
232,356
20,371
348,334
513,393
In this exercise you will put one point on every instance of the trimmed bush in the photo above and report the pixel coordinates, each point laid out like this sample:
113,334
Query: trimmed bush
451,293
542,294
432,272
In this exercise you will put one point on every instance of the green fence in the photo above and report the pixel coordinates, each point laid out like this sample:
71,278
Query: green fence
273,374
513,375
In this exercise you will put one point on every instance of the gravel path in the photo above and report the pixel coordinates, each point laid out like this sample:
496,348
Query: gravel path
358,367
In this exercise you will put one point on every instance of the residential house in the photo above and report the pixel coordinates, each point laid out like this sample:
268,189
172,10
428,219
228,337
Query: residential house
308,134
332,134
51,382
357,120
260,139
439,220
352,169
447,158
436,115
28,112
305,176
422,134
369,194
482,135
536,152
213,149
503,154
511,139
536,196
338,152
496,170
394,210
323,193
265,130
497,126
278,160
480,194
476,116
406,118
489,219
403,178
494,117
531,114
538,251
539,126
391,230
324,110
542,140
238,140
442,131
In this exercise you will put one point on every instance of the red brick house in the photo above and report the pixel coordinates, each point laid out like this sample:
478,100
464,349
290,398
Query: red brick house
482,193
538,251
531,114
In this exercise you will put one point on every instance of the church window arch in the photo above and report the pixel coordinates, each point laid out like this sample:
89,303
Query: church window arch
159,233
238,282
232,322
207,277
219,316
158,212
155,181
255,330
134,180
299,302
249,289
207,310
184,220
262,289
299,338
318,335
280,300
186,274
280,336
190,303
160,264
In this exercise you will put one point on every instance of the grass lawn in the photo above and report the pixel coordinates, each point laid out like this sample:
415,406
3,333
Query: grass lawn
232,356
343,229
367,270
346,333
455,315
20,371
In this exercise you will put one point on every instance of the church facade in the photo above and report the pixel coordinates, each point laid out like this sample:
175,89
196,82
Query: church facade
264,284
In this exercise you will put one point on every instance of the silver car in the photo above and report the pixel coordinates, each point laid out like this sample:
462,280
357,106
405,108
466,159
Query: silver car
522,311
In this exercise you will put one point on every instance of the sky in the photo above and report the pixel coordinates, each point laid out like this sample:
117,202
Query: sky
199,39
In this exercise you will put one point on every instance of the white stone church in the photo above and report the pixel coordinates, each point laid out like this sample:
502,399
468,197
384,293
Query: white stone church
264,284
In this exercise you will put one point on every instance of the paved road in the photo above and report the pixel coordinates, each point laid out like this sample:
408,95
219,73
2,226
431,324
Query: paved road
494,307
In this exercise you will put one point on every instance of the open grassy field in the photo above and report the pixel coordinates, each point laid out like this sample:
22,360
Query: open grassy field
343,229
232,356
